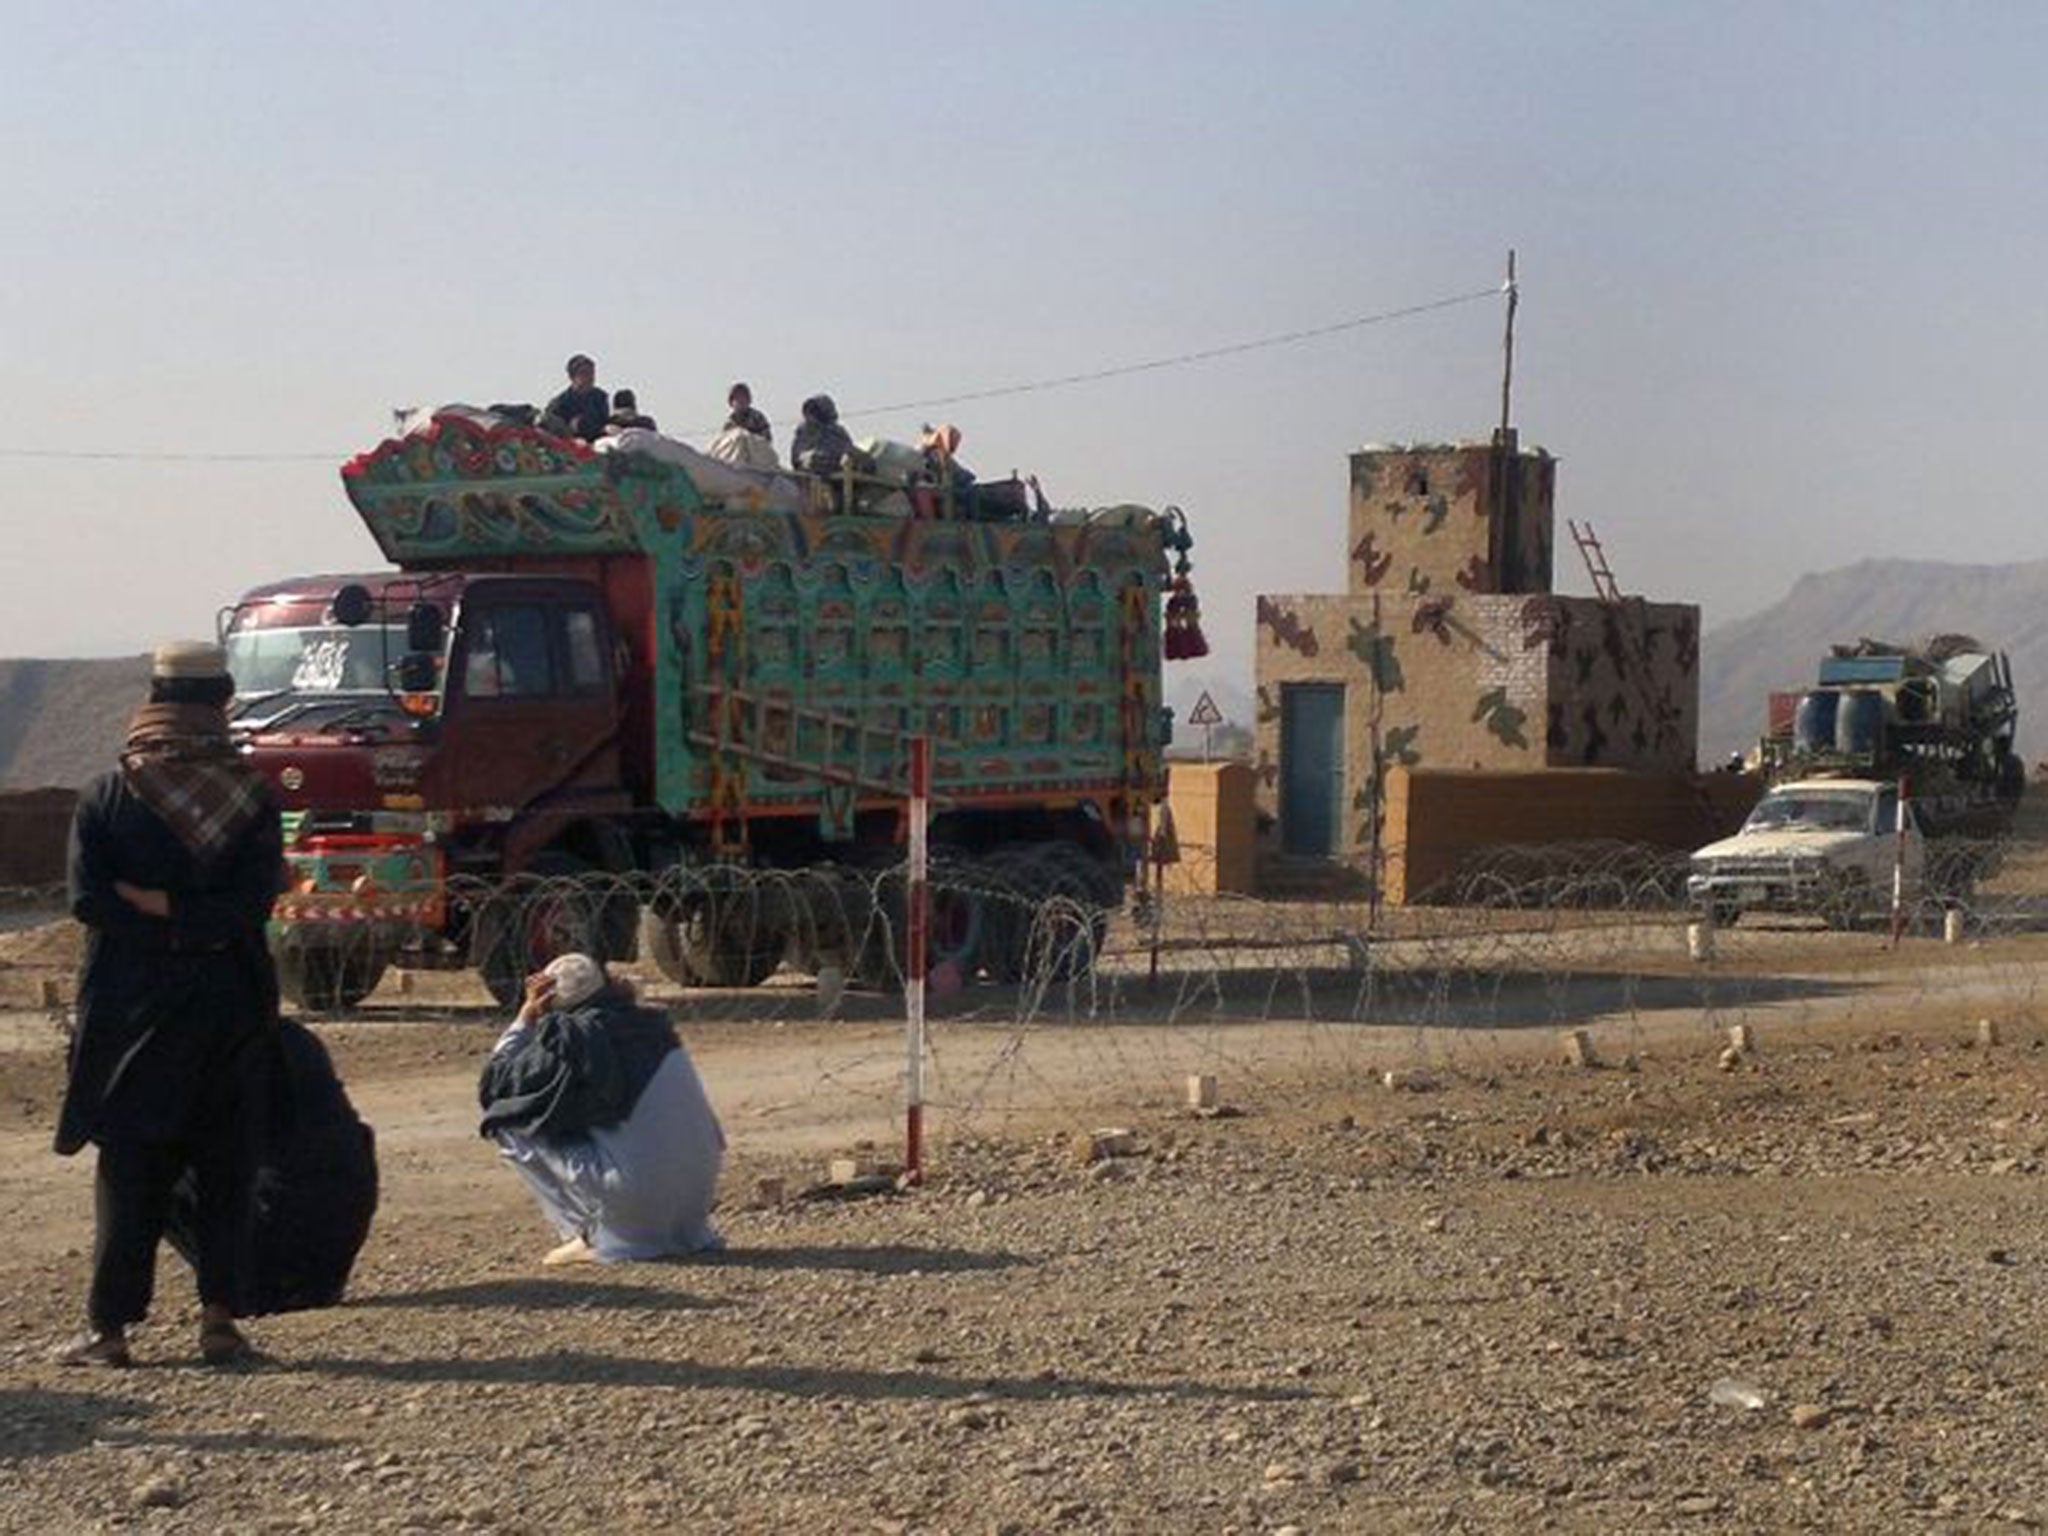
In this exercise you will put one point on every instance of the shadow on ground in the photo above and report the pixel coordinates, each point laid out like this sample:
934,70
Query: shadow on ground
43,1421
572,1368
537,1295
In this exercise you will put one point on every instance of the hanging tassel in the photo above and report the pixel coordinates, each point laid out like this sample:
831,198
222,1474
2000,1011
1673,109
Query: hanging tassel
1184,638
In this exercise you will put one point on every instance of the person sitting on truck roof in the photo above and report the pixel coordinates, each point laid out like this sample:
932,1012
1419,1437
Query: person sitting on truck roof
597,1106
744,416
582,409
821,445
626,414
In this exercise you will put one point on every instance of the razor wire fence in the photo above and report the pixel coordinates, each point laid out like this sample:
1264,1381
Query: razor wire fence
1051,989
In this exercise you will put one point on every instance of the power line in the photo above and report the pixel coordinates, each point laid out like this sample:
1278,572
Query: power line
966,397
1181,359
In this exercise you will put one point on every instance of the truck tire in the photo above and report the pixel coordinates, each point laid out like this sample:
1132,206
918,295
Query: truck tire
1014,887
1846,902
326,978
550,909
1066,924
733,934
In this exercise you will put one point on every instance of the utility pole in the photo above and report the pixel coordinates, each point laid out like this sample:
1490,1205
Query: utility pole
1506,546
1507,371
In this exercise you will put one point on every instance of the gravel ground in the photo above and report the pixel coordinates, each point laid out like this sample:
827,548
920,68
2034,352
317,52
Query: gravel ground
1498,1303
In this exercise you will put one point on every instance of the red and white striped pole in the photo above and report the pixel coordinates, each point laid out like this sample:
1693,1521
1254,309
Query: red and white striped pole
917,923
1899,867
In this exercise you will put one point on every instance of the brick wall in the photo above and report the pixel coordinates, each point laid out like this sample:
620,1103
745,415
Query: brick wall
1422,521
1214,822
1438,818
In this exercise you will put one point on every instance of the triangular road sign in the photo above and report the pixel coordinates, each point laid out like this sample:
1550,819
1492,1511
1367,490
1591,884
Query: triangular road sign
1205,711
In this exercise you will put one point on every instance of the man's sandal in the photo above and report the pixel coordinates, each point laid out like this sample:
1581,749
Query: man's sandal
223,1344
104,1351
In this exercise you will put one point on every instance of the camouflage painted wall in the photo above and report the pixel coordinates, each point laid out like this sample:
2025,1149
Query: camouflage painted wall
1503,682
1423,521
1624,684
1453,685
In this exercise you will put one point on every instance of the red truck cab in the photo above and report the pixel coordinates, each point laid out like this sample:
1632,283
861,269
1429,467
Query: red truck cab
420,729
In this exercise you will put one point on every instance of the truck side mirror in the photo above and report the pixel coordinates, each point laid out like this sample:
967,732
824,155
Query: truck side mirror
353,605
424,630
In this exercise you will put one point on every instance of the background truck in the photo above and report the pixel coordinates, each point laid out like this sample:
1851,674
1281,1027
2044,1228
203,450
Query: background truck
1940,715
1828,846
599,686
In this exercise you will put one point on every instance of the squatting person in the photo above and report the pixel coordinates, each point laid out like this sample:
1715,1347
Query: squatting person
593,1100
175,860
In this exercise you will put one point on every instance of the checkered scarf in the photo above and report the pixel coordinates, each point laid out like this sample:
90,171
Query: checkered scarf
181,764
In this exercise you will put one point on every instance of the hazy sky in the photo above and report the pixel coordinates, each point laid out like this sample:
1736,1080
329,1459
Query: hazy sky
1782,264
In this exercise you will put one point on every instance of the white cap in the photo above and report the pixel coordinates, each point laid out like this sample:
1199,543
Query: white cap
188,659
578,979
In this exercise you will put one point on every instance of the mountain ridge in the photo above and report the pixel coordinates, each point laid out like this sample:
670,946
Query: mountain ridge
1780,647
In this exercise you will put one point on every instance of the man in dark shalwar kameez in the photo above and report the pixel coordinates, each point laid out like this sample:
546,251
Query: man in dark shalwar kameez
175,861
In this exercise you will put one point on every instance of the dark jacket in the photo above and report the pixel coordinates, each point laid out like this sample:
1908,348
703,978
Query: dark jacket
315,1188
571,1073
582,412
172,1012
823,447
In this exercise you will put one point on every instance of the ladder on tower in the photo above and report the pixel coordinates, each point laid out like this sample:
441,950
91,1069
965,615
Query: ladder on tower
1662,713
1595,557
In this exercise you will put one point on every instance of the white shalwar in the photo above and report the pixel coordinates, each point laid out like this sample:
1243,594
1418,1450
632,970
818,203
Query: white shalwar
641,1189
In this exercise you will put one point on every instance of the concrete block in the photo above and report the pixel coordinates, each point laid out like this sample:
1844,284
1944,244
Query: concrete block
406,983
863,1162
1952,926
1742,1038
1699,940
1201,1091
1577,1046
1987,1033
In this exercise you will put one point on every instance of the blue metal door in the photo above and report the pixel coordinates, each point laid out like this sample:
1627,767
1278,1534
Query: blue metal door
1311,767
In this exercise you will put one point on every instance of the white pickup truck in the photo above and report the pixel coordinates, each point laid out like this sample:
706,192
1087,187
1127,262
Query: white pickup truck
1822,845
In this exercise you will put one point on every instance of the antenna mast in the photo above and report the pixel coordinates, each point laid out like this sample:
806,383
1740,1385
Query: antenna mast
1507,371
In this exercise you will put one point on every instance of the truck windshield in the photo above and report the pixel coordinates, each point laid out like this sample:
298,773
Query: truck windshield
1813,811
270,662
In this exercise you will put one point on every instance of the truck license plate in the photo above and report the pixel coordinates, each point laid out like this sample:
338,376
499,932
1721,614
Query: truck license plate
1753,893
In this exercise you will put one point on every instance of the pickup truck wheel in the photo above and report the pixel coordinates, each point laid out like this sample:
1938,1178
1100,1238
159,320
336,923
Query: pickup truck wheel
1724,914
1845,902
549,910
329,978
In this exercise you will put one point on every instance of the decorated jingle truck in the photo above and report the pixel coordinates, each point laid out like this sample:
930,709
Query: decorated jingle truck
628,695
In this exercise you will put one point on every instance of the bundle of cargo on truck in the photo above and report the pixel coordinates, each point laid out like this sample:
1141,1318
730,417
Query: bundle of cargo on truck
1939,714
619,660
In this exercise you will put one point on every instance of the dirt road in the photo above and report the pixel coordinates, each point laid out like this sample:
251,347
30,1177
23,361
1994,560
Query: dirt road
1501,1304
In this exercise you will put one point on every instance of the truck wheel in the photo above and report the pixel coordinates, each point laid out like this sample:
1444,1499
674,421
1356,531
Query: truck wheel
732,935
1845,904
1069,925
549,910
328,978
828,911
1013,888
1724,914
